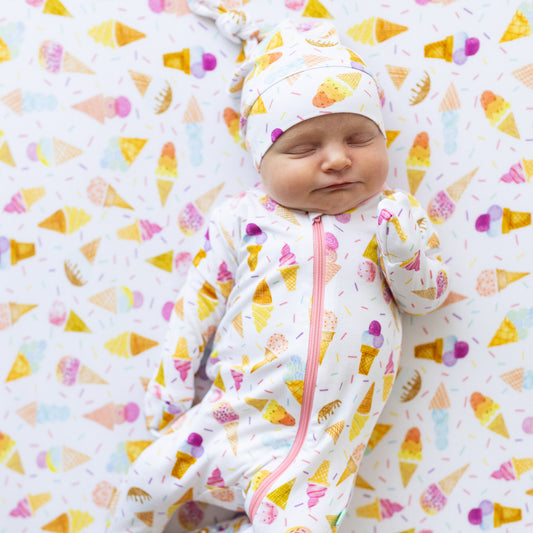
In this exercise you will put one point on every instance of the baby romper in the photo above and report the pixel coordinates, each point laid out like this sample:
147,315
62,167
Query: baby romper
307,338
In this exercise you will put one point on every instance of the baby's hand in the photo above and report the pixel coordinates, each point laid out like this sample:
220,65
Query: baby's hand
398,232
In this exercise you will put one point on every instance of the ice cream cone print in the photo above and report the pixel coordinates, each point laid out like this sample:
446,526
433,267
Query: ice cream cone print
434,497
183,462
505,515
207,300
431,350
514,378
6,156
315,9
21,368
93,107
178,60
28,413
375,30
54,58
21,251
55,7
448,483
141,81
517,28
512,220
277,414
451,101
379,431
328,332
362,414
335,430
506,334
442,49
262,305
410,454
167,165
36,501
397,74
66,220
495,280
440,399
280,495
193,113
496,108
525,75
487,412
90,250
114,34
329,92
253,251
442,206
134,448
232,118
297,389
13,100
370,510
317,485
368,354
11,312
131,147
129,344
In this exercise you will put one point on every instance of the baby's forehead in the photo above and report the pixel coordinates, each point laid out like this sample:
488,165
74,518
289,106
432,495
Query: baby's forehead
329,125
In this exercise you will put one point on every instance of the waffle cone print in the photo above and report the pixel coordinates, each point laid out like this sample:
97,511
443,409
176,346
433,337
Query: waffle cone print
137,223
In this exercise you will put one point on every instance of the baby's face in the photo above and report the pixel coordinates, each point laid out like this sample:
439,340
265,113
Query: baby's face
328,164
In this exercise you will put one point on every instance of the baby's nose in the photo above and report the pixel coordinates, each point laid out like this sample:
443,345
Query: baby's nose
336,158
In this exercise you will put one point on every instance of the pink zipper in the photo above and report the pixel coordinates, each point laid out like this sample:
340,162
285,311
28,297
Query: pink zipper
311,369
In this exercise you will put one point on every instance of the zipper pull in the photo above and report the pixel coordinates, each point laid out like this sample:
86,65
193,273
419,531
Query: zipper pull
317,219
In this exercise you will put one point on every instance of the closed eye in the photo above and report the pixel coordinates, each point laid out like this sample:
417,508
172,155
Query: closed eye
360,138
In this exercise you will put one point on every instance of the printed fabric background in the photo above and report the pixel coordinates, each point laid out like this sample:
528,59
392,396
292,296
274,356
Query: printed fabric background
117,136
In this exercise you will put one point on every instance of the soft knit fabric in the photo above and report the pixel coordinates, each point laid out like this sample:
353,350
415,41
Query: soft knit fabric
304,312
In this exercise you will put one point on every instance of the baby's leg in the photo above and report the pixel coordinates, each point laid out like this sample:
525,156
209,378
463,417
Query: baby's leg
170,472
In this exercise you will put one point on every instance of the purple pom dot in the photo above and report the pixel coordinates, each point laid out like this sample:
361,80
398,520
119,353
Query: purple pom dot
378,341
460,349
471,46
194,439
4,244
475,516
495,212
209,62
197,70
122,106
486,507
253,229
275,134
448,358
374,328
167,310
483,222
459,57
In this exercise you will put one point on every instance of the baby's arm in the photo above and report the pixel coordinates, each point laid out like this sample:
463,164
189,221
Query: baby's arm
195,317
409,255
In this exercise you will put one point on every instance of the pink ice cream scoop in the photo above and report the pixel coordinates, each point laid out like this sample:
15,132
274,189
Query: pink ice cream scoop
287,257
223,273
50,54
67,370
148,229
314,493
224,413
441,208
16,205
433,499
505,472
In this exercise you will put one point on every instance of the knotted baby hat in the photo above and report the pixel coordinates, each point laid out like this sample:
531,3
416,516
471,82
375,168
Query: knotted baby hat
296,71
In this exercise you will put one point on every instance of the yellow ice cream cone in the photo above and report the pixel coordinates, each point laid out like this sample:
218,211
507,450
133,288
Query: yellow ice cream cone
431,350
517,28
512,220
289,275
505,515
368,354
55,7
32,195
183,462
521,466
440,49
178,60
141,81
370,510
506,334
21,251
113,199
280,495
